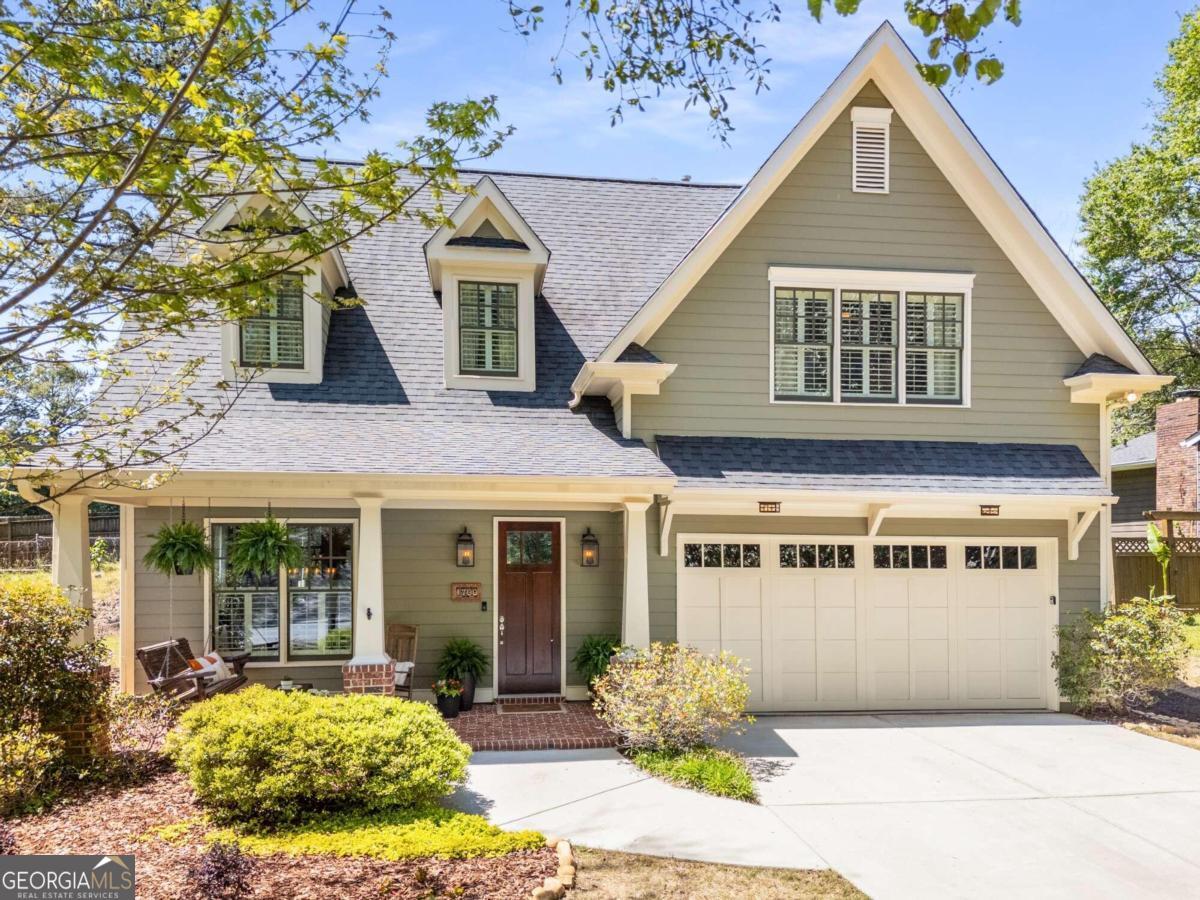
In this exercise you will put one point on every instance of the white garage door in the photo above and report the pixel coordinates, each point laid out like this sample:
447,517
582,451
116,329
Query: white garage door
890,623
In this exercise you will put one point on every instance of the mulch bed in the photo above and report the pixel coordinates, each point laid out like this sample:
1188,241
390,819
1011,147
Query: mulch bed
119,821
1177,705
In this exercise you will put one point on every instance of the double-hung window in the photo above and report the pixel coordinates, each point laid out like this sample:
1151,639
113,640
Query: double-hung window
933,347
804,343
273,337
299,615
487,328
869,336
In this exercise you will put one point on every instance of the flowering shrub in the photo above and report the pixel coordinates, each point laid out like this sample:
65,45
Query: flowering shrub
671,697
1111,661
269,757
26,758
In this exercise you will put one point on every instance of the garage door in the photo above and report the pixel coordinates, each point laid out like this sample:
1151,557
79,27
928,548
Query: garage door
895,623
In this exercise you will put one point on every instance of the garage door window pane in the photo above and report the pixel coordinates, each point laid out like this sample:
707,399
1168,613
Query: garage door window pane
751,556
1010,557
937,557
974,557
787,556
991,557
920,557
825,556
712,556
1029,557
808,556
899,557
883,556
733,556
691,556
845,556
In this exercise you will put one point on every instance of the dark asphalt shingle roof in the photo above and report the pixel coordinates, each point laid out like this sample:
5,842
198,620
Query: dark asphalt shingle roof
880,465
1099,364
383,405
495,243
636,353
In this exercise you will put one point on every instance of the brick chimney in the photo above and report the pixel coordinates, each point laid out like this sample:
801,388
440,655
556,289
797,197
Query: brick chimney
1177,469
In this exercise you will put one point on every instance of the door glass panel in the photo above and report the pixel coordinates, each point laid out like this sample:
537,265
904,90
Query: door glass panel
883,558
991,557
808,556
691,556
845,556
733,556
1029,557
937,557
751,555
513,548
787,556
974,557
1010,556
538,547
825,556
920,557
712,555
899,557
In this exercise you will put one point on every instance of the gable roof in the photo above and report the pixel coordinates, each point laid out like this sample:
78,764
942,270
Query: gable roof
1136,453
887,60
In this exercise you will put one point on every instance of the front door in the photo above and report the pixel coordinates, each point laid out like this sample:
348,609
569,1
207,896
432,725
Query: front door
529,607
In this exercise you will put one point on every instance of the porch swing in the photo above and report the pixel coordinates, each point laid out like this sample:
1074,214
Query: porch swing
169,667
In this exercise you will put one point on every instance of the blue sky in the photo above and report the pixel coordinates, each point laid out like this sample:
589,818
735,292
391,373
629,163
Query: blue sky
1079,76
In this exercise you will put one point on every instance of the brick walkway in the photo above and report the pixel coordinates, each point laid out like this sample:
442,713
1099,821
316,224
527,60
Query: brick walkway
575,728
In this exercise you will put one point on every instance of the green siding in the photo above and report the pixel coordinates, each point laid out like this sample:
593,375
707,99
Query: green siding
1136,488
719,334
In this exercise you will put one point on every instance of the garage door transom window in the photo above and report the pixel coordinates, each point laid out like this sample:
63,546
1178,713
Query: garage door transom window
722,556
909,556
813,556
1003,556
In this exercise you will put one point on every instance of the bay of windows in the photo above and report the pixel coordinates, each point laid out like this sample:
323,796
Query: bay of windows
867,346
273,338
314,601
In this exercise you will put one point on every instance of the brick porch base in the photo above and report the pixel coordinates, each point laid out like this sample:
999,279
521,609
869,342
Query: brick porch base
575,729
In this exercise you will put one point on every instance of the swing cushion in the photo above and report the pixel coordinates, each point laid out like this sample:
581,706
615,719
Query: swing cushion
211,665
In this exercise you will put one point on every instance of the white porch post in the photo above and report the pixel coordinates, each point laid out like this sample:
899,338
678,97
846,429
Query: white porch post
70,557
368,607
635,613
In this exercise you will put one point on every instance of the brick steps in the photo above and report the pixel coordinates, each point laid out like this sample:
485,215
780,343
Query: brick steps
573,727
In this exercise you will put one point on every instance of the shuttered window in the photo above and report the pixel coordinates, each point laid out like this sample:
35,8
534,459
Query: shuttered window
933,347
803,344
487,328
273,338
868,345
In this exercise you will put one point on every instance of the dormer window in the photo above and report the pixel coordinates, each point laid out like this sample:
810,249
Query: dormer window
487,328
487,266
273,338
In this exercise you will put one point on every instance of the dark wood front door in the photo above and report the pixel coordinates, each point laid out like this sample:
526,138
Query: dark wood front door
530,555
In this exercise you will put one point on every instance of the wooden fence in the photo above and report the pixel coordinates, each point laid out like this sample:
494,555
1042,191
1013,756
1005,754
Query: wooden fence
25,540
1137,570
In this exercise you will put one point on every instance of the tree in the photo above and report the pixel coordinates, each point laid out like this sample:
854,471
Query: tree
125,123
1141,230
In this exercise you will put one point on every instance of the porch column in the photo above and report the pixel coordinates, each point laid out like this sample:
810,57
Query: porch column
70,557
635,613
371,670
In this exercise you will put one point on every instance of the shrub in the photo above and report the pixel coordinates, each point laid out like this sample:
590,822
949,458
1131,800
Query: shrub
222,873
395,835
670,697
27,756
591,659
707,769
1111,661
265,757
47,679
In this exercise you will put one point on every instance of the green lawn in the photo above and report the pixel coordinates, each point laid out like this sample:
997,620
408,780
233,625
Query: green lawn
1193,637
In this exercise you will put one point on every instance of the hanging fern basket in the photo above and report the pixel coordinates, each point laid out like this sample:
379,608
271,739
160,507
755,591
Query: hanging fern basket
260,548
180,549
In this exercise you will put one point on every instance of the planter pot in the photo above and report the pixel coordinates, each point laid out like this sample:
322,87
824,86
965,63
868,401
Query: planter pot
448,706
468,695
181,570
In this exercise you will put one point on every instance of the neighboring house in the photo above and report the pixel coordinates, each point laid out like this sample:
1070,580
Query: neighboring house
1159,470
848,421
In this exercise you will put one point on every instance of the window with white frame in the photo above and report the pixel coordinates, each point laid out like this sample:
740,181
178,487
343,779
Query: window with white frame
868,336
303,614
487,328
273,338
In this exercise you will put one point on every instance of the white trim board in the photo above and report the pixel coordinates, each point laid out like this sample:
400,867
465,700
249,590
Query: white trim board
887,60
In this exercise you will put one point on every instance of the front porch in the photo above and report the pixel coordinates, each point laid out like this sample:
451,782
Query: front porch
570,725
381,560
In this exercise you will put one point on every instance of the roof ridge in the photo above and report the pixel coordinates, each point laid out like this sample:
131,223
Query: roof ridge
475,170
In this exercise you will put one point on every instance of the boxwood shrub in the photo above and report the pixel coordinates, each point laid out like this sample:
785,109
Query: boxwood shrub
266,757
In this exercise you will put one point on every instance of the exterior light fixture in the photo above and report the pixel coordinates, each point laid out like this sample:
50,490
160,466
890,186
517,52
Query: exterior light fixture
769,506
466,549
989,509
589,549
1131,397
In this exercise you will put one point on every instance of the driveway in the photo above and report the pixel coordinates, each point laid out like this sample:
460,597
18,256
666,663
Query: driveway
906,805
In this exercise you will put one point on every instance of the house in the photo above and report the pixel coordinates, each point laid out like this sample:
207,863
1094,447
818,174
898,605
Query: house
1159,470
848,420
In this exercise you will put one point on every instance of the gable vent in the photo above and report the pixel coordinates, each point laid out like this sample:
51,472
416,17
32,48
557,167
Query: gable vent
870,150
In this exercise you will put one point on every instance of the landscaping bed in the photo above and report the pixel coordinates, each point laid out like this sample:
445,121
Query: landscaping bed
132,820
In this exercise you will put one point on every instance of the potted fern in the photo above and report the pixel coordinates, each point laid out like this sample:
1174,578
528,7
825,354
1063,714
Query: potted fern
260,548
463,660
594,653
179,548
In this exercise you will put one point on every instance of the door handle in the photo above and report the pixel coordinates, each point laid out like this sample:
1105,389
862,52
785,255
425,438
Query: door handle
502,629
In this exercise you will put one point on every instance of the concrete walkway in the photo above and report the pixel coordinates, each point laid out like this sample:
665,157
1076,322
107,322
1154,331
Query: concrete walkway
951,805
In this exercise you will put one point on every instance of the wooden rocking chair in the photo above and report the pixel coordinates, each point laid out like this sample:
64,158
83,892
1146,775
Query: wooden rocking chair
167,671
402,647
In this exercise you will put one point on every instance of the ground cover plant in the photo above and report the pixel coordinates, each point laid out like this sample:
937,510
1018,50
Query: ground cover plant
708,769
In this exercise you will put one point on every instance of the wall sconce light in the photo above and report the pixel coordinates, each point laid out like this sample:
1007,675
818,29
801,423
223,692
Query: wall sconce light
589,548
466,549
769,506
988,509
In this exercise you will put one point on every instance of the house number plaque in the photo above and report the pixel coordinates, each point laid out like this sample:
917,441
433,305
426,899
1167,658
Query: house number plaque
466,591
